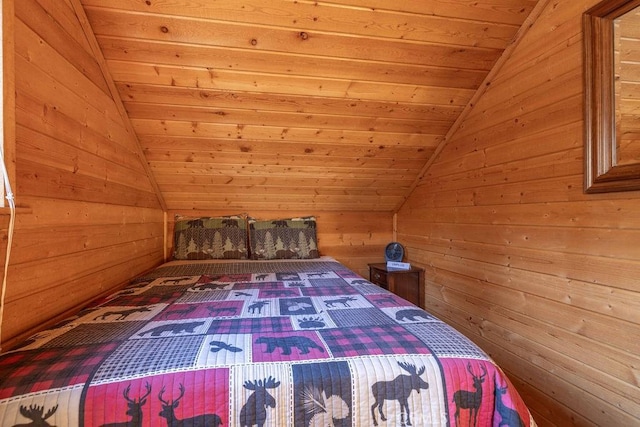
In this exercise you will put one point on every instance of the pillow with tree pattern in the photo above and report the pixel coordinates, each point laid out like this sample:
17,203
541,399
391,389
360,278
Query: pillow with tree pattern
222,237
290,238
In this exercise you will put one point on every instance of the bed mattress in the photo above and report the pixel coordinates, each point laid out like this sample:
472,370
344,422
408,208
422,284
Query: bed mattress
254,343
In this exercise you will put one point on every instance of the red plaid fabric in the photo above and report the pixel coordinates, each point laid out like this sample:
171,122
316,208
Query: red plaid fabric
44,369
384,339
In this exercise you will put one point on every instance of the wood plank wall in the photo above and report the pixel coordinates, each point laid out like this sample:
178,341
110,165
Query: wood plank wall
542,276
353,238
89,218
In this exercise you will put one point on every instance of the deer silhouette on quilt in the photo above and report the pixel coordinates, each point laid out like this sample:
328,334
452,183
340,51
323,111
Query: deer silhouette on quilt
34,413
508,417
470,400
254,411
398,389
169,408
134,408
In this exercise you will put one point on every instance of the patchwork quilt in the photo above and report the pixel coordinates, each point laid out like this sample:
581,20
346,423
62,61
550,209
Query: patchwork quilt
254,343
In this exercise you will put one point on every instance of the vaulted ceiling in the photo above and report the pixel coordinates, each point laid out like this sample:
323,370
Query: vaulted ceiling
303,105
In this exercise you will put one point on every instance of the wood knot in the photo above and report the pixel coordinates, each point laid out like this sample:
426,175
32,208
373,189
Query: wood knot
254,42
304,35
164,29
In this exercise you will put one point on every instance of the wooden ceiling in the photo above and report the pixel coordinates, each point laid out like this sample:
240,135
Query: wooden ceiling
297,105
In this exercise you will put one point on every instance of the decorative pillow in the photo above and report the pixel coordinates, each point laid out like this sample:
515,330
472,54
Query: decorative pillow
292,238
222,237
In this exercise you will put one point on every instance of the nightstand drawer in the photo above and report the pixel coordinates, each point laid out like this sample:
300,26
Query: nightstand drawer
408,284
378,277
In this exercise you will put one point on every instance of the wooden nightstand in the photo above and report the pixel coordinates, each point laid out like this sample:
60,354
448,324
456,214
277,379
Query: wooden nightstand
408,284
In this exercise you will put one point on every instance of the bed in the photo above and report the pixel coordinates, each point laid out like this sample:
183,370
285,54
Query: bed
254,342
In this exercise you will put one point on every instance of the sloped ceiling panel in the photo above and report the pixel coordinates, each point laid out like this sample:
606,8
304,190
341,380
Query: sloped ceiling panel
333,105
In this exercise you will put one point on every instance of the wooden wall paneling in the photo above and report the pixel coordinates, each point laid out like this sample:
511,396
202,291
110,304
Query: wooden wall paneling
526,146
61,155
504,12
36,244
255,147
38,84
81,213
302,155
114,244
478,170
617,274
64,17
577,320
195,179
212,127
283,206
115,96
287,201
491,331
529,104
555,60
548,408
4,226
63,272
179,54
529,123
574,240
543,55
66,185
280,170
36,16
8,145
200,97
207,78
338,18
577,213
256,198
531,18
42,118
4,236
327,72
9,89
338,119
70,294
252,155
111,22
77,174
539,274
204,156
63,89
